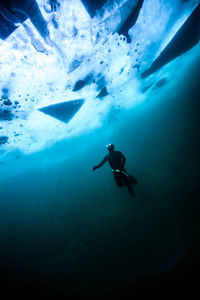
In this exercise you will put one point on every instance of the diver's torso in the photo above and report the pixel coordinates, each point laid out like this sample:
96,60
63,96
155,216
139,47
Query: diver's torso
114,159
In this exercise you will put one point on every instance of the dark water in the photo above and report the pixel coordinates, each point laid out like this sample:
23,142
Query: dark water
65,230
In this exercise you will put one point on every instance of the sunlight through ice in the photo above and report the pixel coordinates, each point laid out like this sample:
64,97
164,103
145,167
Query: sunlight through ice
38,72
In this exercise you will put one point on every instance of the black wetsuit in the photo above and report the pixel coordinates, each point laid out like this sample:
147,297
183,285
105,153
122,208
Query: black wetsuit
116,161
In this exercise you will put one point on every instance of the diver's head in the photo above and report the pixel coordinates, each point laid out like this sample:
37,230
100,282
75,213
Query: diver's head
110,147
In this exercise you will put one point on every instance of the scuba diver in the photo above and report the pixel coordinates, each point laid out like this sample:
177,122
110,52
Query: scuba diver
117,160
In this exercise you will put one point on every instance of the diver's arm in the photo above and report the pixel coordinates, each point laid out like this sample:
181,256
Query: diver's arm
100,164
123,160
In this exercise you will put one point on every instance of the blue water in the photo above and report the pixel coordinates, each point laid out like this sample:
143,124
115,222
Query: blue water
67,230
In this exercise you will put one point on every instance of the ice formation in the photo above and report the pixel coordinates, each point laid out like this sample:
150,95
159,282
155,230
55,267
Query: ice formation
73,56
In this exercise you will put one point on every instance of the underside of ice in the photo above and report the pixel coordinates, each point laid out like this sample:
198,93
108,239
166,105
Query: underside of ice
63,52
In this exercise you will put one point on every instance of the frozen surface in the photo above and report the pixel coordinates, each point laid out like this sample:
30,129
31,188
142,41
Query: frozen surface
81,51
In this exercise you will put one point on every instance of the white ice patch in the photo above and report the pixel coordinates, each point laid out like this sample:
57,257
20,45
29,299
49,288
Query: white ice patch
40,78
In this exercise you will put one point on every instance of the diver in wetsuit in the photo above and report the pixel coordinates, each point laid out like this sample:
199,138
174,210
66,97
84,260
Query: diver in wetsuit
117,160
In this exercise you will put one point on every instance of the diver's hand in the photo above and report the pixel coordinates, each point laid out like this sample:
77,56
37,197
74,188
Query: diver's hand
94,168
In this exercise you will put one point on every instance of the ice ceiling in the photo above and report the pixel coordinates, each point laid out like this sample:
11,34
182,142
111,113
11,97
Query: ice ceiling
63,68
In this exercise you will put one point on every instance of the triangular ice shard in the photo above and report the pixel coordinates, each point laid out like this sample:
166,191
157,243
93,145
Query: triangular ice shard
64,111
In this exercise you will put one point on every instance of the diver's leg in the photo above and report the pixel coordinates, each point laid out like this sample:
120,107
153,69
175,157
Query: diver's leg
117,179
131,191
133,179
